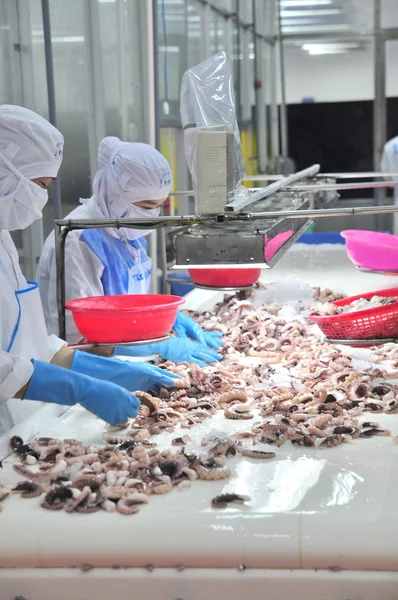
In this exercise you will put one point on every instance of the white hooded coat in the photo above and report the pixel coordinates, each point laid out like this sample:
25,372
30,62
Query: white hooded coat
30,147
389,164
107,261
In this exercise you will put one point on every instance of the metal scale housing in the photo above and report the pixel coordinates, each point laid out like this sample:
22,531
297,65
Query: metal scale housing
261,242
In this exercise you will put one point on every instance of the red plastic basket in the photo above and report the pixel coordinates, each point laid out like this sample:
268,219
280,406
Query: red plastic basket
127,318
373,323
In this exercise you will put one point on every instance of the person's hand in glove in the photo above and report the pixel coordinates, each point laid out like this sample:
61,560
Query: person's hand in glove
186,327
213,339
50,383
133,376
174,349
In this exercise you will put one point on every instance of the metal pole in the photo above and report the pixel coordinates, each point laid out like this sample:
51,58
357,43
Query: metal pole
379,104
161,233
189,220
32,237
123,67
260,100
205,30
283,119
182,179
238,99
155,66
95,82
275,142
246,85
60,239
163,259
151,103
45,7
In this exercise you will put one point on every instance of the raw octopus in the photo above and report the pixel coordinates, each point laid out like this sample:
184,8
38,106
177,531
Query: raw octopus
325,310
318,407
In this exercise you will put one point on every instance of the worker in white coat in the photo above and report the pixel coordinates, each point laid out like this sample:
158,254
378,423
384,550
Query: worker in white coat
36,367
134,180
389,164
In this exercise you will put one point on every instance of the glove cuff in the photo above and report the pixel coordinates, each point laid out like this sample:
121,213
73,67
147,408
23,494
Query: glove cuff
145,350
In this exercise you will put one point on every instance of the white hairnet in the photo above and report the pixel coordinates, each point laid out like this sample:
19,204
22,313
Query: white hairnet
31,144
129,172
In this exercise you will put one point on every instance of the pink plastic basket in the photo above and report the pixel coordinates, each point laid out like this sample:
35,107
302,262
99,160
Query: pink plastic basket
372,250
373,323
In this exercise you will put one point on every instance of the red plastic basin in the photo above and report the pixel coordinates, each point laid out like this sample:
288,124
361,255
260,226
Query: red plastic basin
127,318
224,277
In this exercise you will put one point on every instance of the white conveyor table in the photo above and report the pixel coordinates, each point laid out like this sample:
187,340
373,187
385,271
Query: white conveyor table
321,524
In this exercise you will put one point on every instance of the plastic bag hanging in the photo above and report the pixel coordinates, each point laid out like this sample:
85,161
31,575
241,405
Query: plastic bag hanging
211,135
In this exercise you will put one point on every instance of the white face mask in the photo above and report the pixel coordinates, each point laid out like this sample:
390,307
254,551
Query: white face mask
143,213
24,205
136,212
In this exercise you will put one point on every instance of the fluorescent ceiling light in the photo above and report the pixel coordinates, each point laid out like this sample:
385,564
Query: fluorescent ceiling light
71,39
316,28
322,12
337,48
297,3
321,51
300,22
193,19
168,49
223,266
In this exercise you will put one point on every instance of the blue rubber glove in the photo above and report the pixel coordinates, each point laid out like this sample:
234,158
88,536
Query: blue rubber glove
132,376
175,349
213,339
186,327
57,385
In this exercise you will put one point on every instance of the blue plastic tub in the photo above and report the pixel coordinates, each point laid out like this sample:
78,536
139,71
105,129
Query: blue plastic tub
180,282
323,237
327,237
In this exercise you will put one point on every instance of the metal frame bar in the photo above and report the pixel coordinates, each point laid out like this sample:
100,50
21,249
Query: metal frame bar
260,107
359,175
123,68
235,15
11,51
152,115
65,226
283,108
205,30
95,83
161,233
313,187
22,68
246,82
380,100
387,33
45,6
241,203
238,107
273,87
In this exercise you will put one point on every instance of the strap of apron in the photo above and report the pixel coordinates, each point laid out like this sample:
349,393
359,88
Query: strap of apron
32,286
